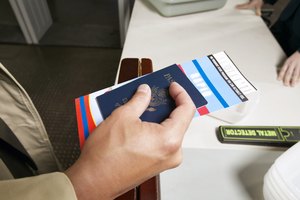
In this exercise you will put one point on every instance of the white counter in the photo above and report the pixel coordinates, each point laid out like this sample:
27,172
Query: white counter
251,46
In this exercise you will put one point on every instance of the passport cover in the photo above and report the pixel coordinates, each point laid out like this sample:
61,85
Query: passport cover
161,104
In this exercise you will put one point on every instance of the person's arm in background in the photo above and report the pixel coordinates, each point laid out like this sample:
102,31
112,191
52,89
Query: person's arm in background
252,4
289,73
124,151
255,4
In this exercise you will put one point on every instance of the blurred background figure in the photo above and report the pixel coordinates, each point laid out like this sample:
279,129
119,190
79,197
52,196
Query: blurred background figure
286,30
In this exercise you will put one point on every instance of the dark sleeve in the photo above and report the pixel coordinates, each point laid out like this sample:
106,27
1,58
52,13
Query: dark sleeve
270,1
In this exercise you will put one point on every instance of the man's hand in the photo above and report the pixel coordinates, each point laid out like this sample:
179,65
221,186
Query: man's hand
124,151
252,4
290,71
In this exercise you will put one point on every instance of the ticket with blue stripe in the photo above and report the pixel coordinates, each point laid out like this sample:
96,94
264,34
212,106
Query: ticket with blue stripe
215,76
218,80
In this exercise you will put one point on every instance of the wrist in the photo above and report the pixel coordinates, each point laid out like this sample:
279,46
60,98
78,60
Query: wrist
86,183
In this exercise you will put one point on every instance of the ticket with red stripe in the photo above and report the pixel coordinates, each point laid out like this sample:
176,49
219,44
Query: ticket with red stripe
215,76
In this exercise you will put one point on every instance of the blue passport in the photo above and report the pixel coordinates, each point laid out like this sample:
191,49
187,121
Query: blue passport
161,104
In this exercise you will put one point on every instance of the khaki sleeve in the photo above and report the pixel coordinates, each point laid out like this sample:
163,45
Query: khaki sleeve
52,186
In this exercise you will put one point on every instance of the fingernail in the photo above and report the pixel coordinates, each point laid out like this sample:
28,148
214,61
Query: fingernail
143,88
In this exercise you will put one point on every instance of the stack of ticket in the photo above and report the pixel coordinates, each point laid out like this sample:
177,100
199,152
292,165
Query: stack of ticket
213,82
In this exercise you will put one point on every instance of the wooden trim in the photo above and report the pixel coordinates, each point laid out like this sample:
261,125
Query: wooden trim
131,68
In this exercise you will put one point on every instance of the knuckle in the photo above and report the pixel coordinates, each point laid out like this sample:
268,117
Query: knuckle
175,161
119,116
289,72
170,147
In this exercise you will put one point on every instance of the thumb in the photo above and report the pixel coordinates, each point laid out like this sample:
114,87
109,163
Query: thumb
139,101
